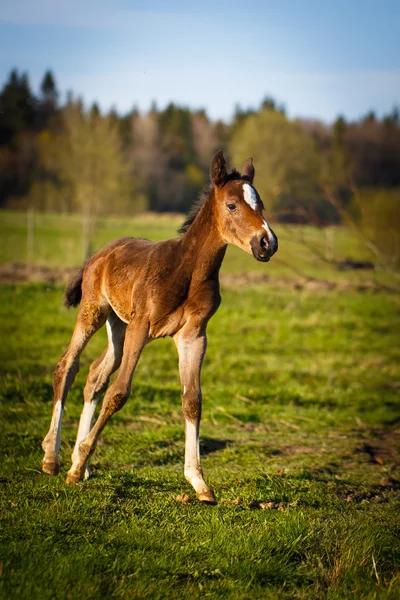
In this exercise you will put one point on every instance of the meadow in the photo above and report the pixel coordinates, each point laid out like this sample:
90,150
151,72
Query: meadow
300,434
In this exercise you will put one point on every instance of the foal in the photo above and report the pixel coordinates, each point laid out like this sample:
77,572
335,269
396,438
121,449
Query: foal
144,290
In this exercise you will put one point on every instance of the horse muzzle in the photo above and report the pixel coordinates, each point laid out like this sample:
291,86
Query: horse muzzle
263,246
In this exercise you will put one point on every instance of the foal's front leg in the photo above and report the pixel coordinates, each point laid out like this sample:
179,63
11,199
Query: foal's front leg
191,348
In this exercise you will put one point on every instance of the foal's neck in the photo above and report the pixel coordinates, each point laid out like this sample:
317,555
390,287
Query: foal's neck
202,244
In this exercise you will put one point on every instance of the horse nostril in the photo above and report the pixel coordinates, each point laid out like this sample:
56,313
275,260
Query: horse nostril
264,242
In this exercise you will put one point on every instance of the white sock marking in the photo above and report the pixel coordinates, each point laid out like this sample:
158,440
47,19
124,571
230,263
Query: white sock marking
191,457
192,460
250,196
56,423
85,425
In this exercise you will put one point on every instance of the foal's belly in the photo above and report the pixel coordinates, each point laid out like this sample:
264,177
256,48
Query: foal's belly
167,325
165,321
120,301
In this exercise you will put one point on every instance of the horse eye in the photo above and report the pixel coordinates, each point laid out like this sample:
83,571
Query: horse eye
231,207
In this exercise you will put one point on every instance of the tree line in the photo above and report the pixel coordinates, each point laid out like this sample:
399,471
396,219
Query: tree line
67,157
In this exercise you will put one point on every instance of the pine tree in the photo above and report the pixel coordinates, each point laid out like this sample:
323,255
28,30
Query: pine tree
48,90
17,107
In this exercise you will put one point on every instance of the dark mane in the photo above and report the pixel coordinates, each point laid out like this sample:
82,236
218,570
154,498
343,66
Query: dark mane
195,209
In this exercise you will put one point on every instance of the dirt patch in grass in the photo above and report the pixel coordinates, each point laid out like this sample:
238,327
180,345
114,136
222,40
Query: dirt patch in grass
25,273
382,447
238,280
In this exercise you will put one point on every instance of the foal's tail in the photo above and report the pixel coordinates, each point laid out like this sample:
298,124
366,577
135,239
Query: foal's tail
73,293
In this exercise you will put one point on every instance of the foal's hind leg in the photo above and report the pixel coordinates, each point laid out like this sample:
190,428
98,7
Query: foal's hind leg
98,379
117,394
88,322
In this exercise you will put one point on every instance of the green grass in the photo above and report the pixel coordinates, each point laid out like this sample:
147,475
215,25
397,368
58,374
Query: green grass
301,407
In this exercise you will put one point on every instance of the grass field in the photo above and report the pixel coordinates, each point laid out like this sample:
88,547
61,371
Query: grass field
301,409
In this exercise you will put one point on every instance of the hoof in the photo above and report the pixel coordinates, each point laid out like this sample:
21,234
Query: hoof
207,496
72,479
87,474
50,467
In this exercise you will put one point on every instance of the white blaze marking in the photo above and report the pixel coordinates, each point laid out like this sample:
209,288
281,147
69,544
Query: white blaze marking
250,196
268,230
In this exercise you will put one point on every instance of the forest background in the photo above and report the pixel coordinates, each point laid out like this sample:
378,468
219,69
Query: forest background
67,157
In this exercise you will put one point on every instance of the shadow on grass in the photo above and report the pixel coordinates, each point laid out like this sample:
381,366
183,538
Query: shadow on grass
169,452
211,445
125,485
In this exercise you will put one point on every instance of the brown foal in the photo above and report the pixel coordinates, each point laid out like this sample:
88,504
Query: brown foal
144,290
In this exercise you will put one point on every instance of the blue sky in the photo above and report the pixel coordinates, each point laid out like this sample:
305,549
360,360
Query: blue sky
319,58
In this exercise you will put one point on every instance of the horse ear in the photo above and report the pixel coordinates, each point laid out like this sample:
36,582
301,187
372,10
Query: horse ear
248,170
218,169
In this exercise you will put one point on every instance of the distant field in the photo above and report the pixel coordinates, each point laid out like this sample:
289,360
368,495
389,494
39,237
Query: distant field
301,409
57,241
